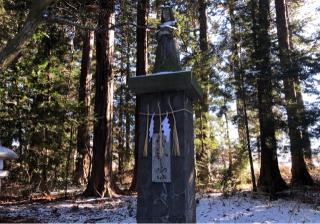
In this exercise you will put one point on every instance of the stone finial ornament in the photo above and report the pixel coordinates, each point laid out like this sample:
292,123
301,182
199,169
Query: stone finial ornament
5,154
167,55
167,14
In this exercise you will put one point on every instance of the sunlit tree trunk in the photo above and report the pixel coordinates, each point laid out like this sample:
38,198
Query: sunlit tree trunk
100,182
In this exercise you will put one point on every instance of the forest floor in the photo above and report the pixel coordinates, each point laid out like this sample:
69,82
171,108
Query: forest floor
211,207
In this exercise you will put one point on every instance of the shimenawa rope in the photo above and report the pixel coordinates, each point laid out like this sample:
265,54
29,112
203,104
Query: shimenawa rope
176,145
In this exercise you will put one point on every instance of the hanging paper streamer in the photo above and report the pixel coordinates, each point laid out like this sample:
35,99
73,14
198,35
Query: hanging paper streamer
151,127
145,148
166,129
160,133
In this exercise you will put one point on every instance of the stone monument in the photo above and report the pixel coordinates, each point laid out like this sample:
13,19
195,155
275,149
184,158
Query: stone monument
166,173
5,154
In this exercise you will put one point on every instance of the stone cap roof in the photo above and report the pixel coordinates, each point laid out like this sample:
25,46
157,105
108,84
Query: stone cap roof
166,82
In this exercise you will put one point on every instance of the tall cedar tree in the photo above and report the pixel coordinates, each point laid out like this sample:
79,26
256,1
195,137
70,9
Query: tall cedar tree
83,134
44,134
202,113
238,74
100,181
235,69
125,41
300,174
304,124
141,69
270,178
120,136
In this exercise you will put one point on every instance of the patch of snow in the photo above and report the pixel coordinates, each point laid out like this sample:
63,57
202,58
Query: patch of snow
240,208
120,209
245,209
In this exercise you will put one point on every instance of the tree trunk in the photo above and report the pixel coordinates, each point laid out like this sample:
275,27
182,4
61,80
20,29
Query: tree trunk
128,121
14,46
100,181
227,136
44,172
48,45
270,178
253,177
121,137
202,112
237,70
83,135
306,144
127,100
300,174
254,37
66,180
141,69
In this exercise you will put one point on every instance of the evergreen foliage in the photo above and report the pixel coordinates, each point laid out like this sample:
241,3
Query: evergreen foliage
254,95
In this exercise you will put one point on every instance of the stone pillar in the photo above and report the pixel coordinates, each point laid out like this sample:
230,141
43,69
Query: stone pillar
166,186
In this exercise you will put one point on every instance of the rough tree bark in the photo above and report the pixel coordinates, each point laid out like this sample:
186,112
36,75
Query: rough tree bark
83,134
141,69
270,178
14,46
100,181
300,174
121,128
